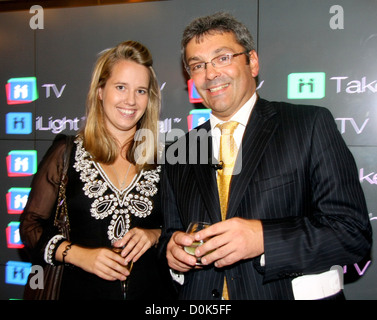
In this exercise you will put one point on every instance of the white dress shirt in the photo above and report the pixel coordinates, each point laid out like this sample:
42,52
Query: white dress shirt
242,117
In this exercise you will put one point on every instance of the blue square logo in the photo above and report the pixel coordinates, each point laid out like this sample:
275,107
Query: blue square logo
19,123
17,272
17,199
21,90
21,163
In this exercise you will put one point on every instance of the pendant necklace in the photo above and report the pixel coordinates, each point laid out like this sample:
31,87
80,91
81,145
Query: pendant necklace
121,184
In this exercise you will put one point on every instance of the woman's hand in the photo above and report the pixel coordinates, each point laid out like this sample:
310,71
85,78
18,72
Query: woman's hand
136,242
102,262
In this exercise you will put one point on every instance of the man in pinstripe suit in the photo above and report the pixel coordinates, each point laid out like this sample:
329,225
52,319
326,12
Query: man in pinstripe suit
296,207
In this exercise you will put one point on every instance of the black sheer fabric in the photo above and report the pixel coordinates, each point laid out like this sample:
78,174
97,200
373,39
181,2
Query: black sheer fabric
95,219
36,227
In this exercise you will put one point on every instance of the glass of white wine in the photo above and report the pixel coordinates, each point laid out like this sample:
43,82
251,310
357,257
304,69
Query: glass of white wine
193,228
124,283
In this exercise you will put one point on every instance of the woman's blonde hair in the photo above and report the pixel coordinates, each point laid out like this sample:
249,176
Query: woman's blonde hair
97,140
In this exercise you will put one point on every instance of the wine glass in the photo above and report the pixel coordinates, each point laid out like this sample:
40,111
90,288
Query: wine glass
124,283
193,228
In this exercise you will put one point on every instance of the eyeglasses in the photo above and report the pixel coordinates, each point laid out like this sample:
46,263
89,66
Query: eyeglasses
217,62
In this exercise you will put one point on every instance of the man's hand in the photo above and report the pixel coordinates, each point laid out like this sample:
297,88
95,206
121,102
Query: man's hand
230,241
178,258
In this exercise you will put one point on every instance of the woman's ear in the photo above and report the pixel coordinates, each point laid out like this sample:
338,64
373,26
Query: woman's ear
100,93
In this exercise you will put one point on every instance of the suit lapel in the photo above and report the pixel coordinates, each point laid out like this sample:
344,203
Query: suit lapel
206,177
259,130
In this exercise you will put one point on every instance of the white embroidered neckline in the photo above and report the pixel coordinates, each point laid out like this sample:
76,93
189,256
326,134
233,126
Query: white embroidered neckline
119,204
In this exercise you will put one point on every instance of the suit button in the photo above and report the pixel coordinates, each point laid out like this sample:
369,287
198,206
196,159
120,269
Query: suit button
215,293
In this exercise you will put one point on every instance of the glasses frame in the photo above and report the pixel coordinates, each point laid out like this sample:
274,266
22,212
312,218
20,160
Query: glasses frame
230,55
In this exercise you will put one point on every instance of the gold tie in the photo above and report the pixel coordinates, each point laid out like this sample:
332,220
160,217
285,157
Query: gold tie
227,156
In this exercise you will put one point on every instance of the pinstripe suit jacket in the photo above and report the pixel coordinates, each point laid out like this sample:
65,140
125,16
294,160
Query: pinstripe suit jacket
298,177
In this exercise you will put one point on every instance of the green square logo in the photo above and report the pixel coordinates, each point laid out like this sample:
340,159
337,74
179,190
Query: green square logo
306,85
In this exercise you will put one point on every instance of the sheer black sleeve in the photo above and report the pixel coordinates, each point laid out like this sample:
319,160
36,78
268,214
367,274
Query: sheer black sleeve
37,220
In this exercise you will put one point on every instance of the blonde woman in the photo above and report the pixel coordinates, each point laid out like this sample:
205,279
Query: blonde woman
112,191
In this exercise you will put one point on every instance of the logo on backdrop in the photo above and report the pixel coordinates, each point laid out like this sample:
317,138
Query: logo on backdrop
21,163
197,117
306,85
18,123
24,90
21,90
194,96
363,85
17,272
367,177
13,235
312,85
351,124
16,200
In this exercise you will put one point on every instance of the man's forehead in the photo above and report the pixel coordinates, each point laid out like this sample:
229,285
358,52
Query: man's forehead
211,44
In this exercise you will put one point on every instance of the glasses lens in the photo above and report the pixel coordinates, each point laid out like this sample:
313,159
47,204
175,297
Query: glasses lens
196,67
222,61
